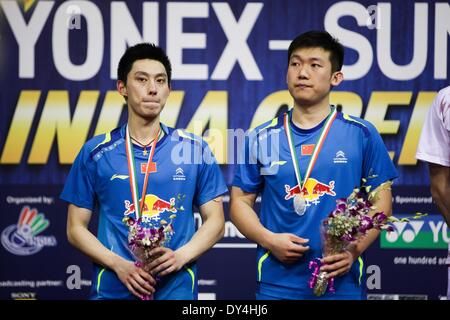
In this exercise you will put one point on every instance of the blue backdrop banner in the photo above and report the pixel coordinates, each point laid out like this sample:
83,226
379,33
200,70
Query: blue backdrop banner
58,73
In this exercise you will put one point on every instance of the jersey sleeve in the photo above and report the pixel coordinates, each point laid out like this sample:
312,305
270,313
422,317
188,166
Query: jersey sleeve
79,186
377,165
248,176
434,143
210,182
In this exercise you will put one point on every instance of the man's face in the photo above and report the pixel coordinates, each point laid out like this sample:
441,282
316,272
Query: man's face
309,76
147,88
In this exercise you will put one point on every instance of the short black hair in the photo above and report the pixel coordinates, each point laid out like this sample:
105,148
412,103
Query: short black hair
320,39
139,52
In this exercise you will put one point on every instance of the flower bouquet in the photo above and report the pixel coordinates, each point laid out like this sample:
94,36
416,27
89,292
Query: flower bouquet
144,236
345,225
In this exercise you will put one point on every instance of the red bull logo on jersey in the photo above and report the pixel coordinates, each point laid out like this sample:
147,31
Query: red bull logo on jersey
152,208
312,191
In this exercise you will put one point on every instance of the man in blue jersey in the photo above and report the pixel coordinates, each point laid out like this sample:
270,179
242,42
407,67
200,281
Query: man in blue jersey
317,155
148,170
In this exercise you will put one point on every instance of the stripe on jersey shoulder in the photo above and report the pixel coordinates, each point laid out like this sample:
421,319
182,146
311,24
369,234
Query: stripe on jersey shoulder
349,118
355,121
267,130
106,140
272,124
180,133
108,143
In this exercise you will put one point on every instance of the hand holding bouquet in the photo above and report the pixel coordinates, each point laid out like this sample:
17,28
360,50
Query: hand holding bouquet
345,225
144,236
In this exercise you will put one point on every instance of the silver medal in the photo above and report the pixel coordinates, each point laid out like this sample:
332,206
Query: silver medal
299,204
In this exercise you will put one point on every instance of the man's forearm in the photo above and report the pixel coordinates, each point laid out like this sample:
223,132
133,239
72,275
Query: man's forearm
206,236
365,242
248,223
440,189
86,242
80,237
382,202
443,203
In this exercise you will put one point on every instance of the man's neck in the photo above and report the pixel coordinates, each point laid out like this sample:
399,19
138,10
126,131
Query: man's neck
307,117
143,130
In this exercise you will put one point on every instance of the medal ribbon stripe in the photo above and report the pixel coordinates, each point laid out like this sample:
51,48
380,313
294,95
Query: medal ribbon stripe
318,147
147,169
291,148
132,171
319,144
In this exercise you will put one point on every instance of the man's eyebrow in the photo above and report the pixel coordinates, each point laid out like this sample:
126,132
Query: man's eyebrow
316,59
295,56
143,73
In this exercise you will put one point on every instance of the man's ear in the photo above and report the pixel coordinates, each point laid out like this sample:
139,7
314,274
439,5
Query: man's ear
336,78
122,88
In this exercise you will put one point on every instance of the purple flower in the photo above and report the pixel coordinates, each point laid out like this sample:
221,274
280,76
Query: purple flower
348,238
130,222
360,206
341,206
379,218
366,224
334,213
140,235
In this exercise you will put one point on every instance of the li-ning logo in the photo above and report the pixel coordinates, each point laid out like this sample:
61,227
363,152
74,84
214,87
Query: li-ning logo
22,238
340,157
179,175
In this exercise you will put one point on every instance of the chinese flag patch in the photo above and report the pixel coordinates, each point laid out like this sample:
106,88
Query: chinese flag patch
307,149
151,169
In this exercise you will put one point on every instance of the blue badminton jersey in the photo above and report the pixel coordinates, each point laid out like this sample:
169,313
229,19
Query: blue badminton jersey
187,174
353,150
